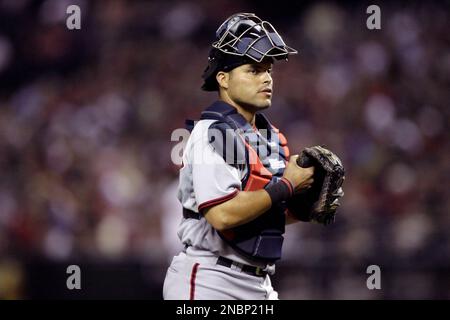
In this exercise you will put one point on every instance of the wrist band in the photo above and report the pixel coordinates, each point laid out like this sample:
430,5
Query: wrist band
281,190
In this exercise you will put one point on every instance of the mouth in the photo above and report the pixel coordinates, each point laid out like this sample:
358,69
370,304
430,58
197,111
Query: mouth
266,91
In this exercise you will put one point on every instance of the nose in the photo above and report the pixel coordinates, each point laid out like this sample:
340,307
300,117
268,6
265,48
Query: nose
267,77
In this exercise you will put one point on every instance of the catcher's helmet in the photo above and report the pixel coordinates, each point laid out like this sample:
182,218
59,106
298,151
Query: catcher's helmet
242,38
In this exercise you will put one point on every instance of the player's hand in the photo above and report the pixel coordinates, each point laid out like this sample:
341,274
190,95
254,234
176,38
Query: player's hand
301,178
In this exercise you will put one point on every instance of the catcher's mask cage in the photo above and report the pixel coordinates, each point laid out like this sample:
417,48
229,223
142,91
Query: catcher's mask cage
243,38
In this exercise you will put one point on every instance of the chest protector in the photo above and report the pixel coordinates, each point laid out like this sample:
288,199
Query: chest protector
262,154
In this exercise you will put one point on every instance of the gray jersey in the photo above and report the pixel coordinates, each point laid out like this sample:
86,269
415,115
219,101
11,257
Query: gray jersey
206,180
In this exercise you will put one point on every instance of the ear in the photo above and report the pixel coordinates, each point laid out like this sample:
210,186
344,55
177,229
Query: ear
222,78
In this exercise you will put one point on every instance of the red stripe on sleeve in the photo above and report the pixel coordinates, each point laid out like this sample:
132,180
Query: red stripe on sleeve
214,202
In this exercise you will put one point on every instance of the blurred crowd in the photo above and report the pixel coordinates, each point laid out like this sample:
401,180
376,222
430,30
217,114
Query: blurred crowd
86,118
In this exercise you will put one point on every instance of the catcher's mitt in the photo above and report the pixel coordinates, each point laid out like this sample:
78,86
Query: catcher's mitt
320,202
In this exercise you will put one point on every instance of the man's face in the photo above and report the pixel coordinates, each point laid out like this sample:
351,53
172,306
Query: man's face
250,85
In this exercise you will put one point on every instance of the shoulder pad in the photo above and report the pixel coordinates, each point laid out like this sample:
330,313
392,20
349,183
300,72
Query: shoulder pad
227,143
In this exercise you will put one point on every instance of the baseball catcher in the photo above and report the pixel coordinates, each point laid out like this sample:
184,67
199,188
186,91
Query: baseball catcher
246,187
320,202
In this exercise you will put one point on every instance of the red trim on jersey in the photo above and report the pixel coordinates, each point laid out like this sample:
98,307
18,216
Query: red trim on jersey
216,201
193,276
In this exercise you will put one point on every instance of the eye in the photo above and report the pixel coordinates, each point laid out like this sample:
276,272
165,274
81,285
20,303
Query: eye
253,71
